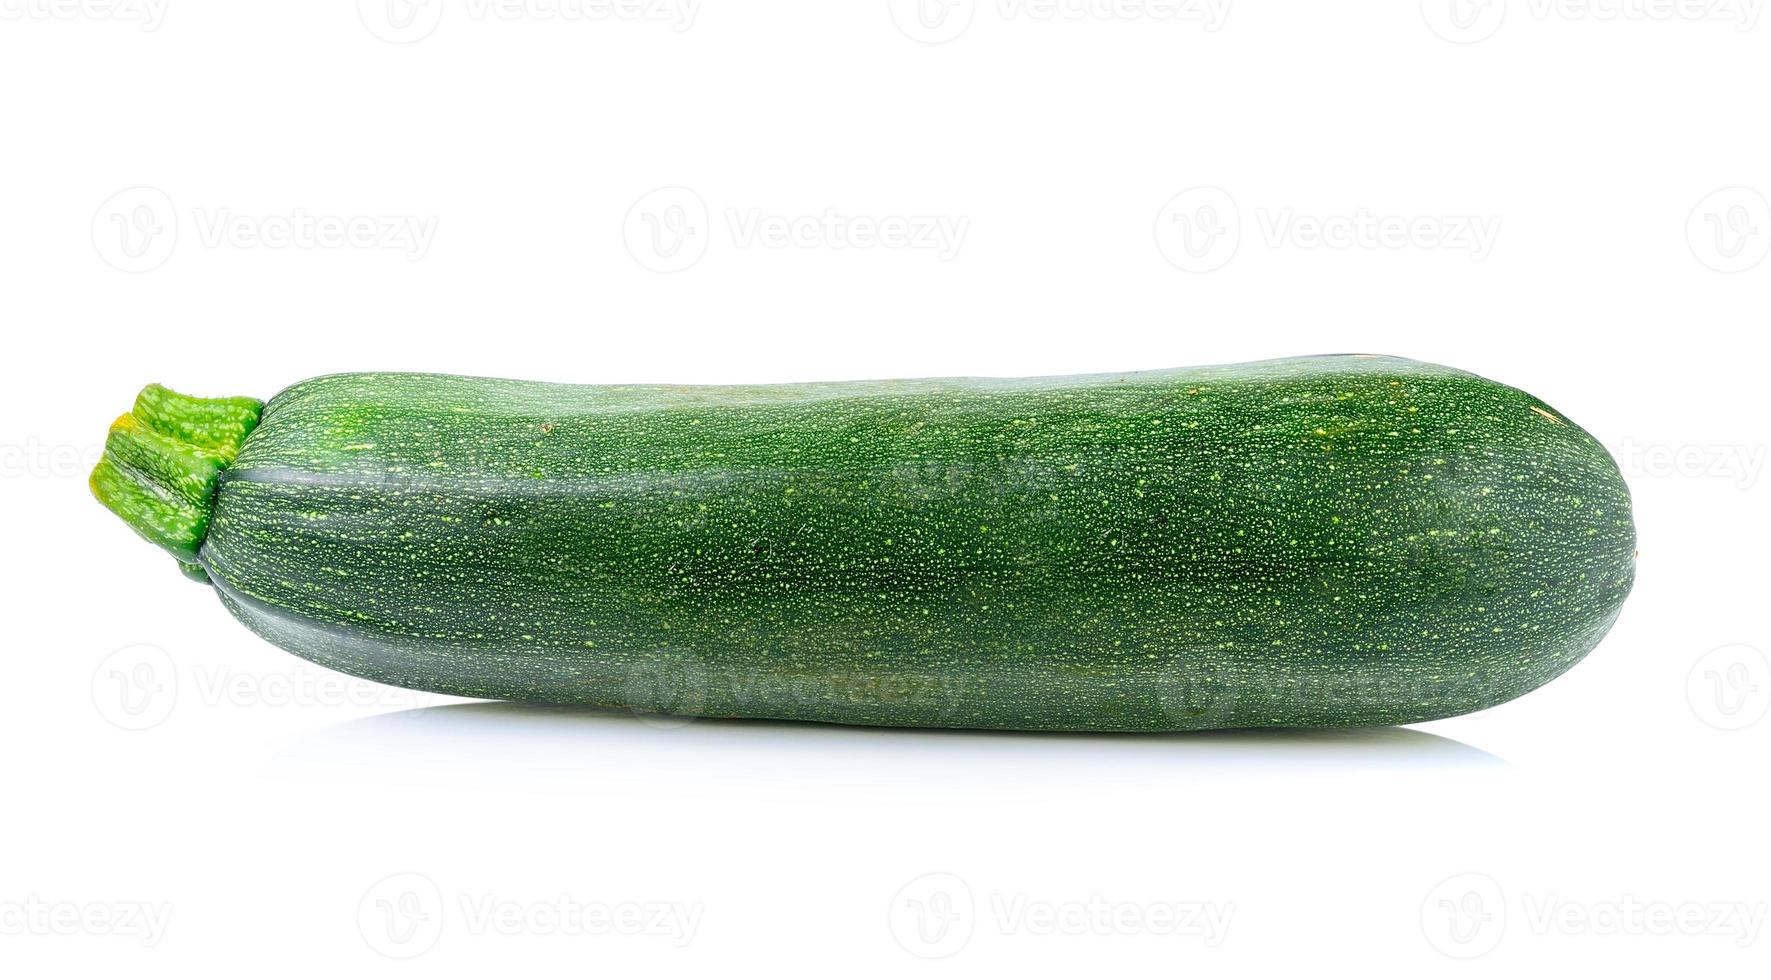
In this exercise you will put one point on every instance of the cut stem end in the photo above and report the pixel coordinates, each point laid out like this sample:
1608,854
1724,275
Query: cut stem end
163,461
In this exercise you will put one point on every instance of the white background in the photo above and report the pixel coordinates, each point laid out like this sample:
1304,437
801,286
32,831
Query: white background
229,197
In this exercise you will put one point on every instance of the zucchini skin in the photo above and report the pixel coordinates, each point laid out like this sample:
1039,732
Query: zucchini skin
1313,542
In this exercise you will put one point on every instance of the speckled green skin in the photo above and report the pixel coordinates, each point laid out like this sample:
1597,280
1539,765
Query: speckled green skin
1311,542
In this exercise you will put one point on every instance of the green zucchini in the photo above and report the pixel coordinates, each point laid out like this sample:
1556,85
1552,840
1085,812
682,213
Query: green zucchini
1322,541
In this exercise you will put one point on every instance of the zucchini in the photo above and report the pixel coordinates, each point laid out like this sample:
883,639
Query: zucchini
1320,541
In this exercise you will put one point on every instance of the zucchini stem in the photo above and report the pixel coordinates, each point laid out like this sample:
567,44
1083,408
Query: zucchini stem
163,461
